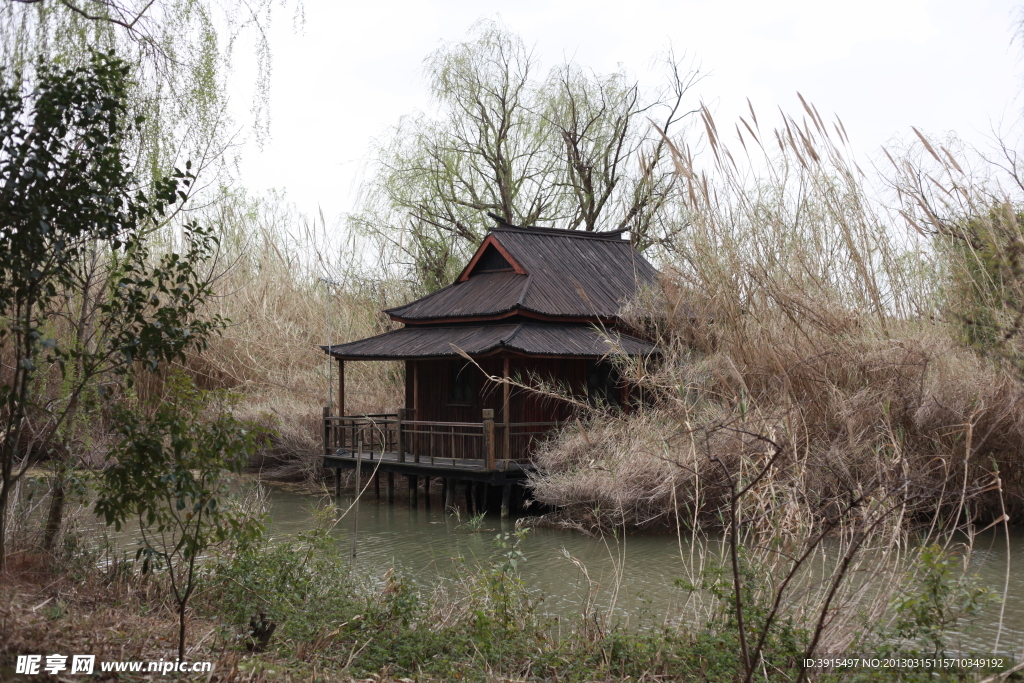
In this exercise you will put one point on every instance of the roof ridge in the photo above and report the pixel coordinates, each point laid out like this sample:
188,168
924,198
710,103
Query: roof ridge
521,302
509,338
610,235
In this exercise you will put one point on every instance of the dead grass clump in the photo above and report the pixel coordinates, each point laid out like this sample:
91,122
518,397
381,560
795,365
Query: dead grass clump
288,290
796,310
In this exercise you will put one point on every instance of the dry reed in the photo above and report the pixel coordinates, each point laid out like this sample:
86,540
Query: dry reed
794,305
288,289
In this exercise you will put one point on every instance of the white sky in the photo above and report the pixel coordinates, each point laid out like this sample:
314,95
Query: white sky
880,65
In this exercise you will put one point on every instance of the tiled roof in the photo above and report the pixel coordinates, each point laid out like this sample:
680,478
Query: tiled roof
567,274
526,338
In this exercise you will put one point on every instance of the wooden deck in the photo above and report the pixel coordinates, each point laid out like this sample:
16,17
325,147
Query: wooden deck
461,469
484,458
484,488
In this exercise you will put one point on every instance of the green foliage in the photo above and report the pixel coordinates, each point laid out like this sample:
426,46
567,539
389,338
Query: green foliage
284,581
169,472
474,523
984,260
501,603
484,624
942,596
784,644
76,230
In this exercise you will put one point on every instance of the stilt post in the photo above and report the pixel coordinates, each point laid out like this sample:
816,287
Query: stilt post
506,492
341,388
359,473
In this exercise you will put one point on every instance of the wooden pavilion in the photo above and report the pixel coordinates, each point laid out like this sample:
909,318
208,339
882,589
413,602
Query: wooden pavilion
537,303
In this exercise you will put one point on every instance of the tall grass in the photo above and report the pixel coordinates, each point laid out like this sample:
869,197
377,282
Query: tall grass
839,385
289,286
876,344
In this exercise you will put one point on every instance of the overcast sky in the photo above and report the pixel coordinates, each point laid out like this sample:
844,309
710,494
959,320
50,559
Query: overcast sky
881,65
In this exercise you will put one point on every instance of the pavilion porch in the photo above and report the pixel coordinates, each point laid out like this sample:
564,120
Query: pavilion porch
483,456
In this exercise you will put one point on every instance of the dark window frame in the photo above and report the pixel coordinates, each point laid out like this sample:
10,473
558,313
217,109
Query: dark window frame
603,384
462,390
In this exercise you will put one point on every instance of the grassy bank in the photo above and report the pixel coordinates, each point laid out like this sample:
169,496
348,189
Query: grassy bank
334,624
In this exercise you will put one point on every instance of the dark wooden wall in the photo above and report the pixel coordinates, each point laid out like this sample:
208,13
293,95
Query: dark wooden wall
434,379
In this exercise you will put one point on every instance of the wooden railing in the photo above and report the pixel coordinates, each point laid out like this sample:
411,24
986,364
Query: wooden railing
486,442
376,432
523,438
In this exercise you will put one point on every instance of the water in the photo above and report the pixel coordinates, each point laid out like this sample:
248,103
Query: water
632,575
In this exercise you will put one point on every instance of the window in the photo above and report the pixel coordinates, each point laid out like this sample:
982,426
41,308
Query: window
602,383
462,383
492,261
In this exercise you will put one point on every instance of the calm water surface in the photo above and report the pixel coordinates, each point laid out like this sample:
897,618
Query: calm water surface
635,575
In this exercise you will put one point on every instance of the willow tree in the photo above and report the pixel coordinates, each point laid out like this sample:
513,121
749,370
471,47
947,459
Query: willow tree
177,56
180,54
569,147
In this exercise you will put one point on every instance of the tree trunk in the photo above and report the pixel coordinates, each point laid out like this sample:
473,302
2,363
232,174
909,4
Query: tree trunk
56,515
181,632
3,525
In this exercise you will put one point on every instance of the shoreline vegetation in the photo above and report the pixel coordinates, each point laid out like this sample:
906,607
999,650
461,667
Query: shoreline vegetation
840,386
481,624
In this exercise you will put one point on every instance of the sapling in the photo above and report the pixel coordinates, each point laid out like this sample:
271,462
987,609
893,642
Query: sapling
170,472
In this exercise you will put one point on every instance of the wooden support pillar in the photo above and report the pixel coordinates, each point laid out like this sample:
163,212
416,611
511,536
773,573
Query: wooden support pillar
416,414
426,492
341,388
481,497
416,390
399,436
337,482
506,492
376,484
449,493
469,498
413,484
327,431
505,408
488,428
391,487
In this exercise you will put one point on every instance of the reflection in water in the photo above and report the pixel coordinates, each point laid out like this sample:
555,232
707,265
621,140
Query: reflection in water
635,573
